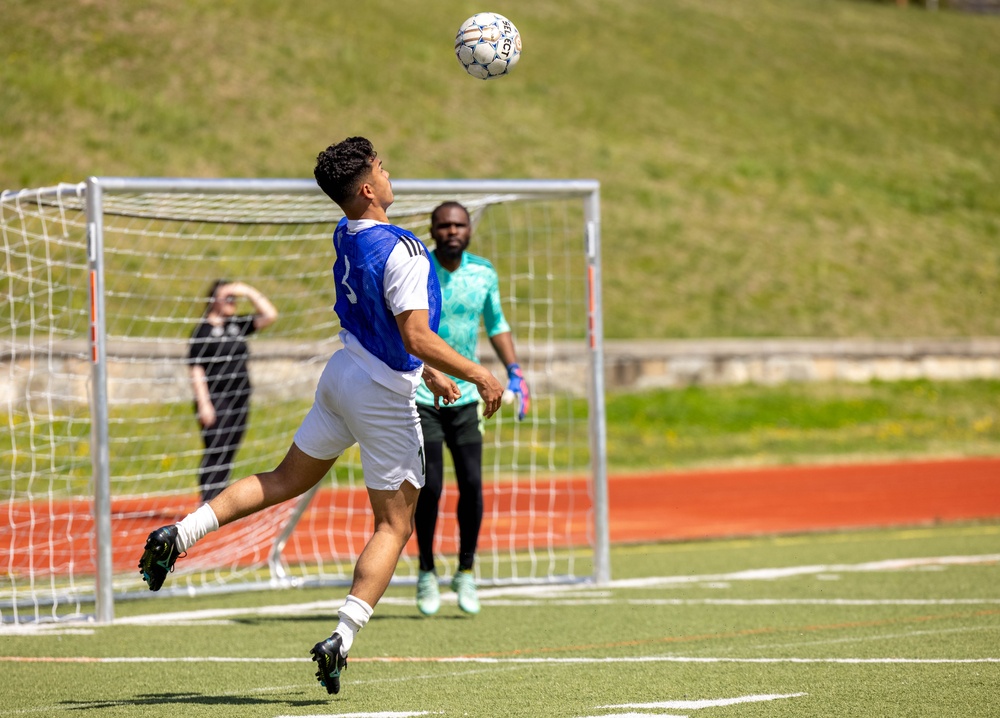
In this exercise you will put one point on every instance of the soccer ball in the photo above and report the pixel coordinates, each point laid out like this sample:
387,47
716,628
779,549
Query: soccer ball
488,45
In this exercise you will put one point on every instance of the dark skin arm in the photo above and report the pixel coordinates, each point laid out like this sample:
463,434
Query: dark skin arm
503,345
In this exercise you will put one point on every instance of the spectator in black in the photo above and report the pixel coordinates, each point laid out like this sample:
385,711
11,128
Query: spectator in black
217,358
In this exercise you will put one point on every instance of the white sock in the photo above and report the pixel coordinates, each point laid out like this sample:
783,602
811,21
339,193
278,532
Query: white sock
195,526
354,614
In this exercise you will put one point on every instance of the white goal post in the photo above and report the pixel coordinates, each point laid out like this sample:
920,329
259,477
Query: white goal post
106,279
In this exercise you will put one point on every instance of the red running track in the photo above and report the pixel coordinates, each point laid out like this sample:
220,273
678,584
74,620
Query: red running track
709,504
642,508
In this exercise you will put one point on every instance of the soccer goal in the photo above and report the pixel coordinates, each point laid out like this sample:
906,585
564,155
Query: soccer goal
104,283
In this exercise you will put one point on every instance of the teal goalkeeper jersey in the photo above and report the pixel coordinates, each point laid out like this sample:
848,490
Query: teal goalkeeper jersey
470,293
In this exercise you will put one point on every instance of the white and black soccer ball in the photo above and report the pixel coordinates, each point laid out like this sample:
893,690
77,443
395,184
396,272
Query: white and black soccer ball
488,45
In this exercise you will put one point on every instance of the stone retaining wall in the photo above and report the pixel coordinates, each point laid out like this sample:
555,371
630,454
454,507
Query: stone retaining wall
60,372
650,364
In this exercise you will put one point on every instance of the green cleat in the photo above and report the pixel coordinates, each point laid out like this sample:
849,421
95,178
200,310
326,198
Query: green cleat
464,584
428,597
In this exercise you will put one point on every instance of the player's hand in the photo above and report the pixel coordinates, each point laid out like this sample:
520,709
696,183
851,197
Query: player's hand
206,414
519,388
490,391
444,389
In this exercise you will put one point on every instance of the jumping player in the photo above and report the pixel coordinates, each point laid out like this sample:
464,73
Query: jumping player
388,303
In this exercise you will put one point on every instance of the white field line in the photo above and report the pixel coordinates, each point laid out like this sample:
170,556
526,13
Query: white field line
224,616
543,592
814,602
688,705
552,595
881,637
746,602
771,574
709,703
492,660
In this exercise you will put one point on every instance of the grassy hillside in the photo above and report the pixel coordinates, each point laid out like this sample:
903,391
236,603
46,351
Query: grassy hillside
776,168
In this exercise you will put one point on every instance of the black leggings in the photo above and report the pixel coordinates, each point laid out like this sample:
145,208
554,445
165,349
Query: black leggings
222,441
468,460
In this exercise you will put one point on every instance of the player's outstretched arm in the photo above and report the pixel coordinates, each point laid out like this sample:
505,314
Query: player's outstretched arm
427,346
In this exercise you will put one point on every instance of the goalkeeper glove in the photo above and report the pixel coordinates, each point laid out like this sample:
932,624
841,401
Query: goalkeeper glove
519,388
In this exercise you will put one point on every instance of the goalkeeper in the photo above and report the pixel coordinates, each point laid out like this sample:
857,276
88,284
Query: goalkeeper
388,302
471,293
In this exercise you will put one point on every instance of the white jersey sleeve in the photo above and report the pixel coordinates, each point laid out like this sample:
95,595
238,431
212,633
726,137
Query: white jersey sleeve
405,280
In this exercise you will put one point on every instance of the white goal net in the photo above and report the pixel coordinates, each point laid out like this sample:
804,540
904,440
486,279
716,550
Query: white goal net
105,281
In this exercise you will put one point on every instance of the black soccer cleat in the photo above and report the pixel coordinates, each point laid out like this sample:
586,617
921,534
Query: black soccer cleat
327,656
159,556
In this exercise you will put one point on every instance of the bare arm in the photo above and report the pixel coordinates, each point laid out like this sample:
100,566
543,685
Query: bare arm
265,312
202,399
427,346
503,345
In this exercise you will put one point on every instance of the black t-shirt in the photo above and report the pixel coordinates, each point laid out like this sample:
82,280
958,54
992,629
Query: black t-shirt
222,352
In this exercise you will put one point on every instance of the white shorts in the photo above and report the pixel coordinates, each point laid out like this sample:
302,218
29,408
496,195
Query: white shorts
350,407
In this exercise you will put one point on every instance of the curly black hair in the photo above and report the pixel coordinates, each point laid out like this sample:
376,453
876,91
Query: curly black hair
342,167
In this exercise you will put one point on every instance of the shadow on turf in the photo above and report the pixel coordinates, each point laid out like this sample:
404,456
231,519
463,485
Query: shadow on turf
159,699
265,620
